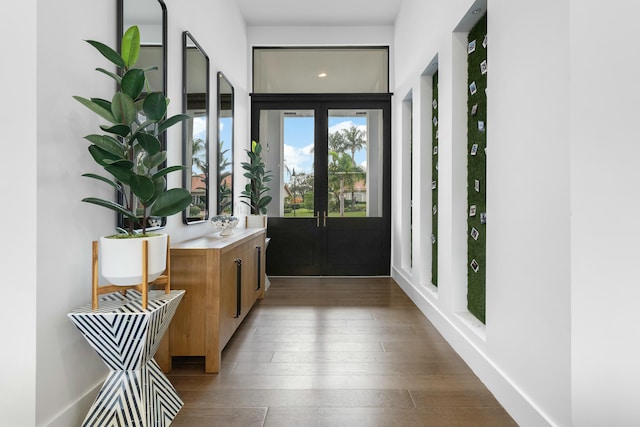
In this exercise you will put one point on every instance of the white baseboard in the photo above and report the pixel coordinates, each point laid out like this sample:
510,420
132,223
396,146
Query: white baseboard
515,402
74,414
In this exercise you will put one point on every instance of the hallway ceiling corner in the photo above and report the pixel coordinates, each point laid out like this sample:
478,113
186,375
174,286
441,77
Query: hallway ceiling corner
319,13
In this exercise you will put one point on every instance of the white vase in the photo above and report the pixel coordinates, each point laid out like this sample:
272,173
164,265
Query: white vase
121,259
256,221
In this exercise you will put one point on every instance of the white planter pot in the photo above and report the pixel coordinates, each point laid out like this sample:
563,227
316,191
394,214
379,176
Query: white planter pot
256,221
121,259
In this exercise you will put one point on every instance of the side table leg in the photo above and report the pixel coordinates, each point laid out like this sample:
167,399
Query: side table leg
137,398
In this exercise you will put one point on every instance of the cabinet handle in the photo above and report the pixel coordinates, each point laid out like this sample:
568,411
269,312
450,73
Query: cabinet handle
259,249
238,287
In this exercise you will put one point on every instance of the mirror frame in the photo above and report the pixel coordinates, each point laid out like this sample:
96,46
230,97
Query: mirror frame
221,78
163,138
186,152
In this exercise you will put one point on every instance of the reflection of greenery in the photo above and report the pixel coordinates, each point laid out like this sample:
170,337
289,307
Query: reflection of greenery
346,140
199,154
343,175
301,188
200,169
225,191
351,139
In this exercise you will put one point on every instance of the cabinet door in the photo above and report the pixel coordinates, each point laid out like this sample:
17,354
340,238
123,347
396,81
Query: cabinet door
231,274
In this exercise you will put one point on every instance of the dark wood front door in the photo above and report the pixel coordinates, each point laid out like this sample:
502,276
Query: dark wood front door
331,211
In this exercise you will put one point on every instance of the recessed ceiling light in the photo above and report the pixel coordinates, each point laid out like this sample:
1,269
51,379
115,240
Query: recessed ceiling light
322,75
476,11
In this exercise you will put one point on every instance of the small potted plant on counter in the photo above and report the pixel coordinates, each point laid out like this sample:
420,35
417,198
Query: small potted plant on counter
255,192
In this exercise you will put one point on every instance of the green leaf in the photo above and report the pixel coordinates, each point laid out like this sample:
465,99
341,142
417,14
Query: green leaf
102,102
162,126
161,185
155,106
120,130
262,203
96,108
133,83
110,205
114,184
123,109
123,163
168,170
171,202
108,53
149,143
120,173
142,187
157,159
108,144
130,46
102,157
114,76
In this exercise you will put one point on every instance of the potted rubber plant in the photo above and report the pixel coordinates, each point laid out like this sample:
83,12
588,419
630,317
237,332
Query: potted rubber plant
129,150
255,192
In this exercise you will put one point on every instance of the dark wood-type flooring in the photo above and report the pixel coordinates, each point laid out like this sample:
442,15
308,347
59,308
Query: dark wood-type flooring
335,352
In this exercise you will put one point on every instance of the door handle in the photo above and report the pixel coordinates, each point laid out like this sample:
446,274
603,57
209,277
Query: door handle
324,219
317,217
238,287
259,249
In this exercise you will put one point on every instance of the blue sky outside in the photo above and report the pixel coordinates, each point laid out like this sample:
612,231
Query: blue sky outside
225,129
299,139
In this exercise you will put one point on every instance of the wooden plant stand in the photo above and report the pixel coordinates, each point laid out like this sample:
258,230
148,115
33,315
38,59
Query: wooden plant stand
143,288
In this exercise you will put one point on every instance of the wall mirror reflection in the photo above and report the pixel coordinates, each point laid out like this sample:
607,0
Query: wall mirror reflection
195,84
225,146
151,18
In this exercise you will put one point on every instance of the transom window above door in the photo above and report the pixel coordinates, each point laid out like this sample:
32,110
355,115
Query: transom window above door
321,70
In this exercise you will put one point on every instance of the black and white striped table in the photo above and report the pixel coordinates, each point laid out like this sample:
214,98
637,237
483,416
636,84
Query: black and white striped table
136,393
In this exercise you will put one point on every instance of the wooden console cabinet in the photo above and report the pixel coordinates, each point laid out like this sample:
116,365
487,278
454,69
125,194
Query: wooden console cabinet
222,277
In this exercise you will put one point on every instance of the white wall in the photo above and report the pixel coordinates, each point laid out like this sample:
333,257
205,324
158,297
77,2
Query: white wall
18,189
68,371
605,202
523,353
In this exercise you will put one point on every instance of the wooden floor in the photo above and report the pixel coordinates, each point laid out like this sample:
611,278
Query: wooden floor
335,352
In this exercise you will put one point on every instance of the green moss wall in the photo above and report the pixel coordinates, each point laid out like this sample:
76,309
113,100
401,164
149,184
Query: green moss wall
477,169
434,177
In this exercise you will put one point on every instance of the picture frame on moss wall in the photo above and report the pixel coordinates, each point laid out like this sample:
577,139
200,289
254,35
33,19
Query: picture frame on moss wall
471,47
474,266
474,233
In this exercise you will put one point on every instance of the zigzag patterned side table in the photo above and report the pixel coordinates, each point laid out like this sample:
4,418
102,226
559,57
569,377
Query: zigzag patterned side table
136,393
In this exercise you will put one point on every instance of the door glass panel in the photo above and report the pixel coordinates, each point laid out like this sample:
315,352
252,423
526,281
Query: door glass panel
354,179
321,69
292,187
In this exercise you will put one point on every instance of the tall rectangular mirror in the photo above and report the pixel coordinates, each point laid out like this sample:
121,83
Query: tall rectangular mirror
225,146
195,89
151,18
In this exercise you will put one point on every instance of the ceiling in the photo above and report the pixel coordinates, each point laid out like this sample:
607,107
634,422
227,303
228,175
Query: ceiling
319,13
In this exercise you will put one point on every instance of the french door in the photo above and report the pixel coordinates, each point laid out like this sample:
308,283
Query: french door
330,155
